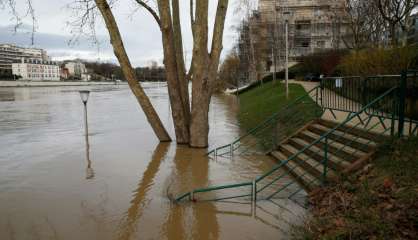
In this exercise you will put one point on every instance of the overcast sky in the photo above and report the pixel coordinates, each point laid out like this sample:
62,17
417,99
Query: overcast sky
139,31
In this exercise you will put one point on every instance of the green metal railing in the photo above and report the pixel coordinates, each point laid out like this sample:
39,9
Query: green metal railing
348,94
265,136
269,180
379,106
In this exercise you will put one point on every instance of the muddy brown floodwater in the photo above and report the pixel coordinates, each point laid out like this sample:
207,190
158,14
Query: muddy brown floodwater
117,183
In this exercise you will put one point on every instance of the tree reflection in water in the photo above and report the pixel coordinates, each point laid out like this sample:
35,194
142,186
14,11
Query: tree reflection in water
140,201
89,169
191,171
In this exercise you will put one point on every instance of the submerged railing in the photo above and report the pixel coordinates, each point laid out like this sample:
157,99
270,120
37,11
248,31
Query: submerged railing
378,107
267,183
266,135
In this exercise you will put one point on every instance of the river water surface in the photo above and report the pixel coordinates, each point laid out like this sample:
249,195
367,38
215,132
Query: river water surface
117,183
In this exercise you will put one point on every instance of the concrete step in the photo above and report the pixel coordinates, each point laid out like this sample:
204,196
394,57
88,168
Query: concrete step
342,138
350,135
334,160
304,161
317,154
337,150
301,175
354,130
348,153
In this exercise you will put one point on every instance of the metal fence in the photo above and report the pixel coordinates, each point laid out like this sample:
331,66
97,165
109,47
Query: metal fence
349,94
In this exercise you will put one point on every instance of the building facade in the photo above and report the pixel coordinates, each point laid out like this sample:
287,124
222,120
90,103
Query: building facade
36,70
77,70
313,26
10,53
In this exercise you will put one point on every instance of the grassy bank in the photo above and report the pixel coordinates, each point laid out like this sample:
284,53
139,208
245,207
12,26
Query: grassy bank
380,202
260,103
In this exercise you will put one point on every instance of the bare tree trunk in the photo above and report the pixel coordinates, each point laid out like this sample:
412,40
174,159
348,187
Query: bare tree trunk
199,125
205,67
177,87
181,69
128,71
192,125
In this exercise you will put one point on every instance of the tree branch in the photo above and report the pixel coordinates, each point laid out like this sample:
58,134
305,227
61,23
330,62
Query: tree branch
218,29
192,15
217,38
151,11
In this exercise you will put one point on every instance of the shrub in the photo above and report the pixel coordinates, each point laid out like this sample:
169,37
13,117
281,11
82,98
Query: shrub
379,61
320,63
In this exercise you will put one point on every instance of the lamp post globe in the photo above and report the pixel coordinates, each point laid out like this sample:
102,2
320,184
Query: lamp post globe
84,96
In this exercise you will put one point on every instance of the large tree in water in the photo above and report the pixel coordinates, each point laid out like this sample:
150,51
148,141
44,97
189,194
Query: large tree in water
191,121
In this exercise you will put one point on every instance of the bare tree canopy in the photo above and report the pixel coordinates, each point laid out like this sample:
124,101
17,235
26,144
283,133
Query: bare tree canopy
18,17
397,14
366,26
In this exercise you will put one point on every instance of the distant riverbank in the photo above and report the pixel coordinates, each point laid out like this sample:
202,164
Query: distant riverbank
53,83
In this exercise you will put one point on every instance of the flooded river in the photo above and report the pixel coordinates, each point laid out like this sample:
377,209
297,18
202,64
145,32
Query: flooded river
117,183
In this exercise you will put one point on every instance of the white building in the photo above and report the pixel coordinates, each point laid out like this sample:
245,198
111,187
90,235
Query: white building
36,70
314,26
10,53
77,70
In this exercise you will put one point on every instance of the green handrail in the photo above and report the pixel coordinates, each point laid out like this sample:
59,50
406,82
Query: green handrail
329,132
274,169
265,122
324,162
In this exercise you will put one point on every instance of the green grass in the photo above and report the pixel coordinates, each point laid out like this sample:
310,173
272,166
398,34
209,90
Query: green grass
379,203
260,103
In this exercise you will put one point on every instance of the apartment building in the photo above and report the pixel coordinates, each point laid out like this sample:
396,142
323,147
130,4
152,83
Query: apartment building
313,26
36,70
77,70
10,53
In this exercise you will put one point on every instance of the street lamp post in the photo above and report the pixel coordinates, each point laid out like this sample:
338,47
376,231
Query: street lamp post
84,98
286,16
274,49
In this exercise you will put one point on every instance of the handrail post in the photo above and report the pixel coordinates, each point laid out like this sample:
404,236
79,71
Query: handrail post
393,116
402,96
321,86
325,163
254,191
275,135
191,196
231,149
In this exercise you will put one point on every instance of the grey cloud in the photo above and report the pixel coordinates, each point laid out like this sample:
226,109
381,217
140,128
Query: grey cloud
141,36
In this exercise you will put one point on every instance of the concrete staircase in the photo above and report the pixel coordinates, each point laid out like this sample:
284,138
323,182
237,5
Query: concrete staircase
348,150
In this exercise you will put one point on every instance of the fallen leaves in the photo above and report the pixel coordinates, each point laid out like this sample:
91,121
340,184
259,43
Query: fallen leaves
378,202
366,207
387,183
